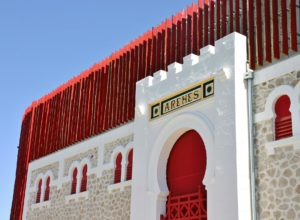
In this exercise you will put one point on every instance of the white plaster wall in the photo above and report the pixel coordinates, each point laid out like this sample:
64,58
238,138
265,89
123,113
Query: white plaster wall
221,121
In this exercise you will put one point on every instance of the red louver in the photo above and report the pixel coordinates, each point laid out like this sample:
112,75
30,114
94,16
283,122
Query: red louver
283,120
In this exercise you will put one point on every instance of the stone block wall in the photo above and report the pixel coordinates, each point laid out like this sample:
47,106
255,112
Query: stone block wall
98,202
278,174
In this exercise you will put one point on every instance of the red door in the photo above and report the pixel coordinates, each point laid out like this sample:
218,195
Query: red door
185,172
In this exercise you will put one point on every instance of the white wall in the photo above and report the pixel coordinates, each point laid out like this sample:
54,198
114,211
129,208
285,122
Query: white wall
220,120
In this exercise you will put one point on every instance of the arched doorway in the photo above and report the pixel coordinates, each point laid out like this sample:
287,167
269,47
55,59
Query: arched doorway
185,172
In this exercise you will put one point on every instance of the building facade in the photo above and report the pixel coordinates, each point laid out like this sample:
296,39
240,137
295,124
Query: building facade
195,118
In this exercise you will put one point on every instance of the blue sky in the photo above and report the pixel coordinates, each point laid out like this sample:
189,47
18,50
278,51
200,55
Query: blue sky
45,43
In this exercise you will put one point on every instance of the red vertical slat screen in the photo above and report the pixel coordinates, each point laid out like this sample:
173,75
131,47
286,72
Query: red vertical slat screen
259,32
268,46
293,25
212,22
251,34
285,44
276,49
224,17
103,97
206,15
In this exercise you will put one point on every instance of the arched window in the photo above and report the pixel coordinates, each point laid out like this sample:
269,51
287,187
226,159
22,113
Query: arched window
118,168
39,191
84,179
47,190
74,181
129,165
283,120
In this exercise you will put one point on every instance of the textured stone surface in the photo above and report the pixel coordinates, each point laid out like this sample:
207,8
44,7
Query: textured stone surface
99,205
53,167
261,91
92,154
109,147
278,182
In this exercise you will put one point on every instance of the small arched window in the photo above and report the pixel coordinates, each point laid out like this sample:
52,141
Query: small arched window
39,191
118,168
47,190
74,181
129,165
84,179
283,120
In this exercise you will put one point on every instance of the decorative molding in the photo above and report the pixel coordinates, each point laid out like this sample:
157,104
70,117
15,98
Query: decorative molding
277,69
119,186
77,196
290,141
41,205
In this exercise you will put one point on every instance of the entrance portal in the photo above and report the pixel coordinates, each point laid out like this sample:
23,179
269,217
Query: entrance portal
185,172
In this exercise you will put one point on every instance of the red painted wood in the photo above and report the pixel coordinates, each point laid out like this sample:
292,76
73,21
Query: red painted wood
195,49
237,16
84,179
283,120
224,14
164,64
39,192
129,165
47,190
285,44
187,207
173,40
259,33
218,23
189,29
74,181
231,16
186,164
294,21
158,53
212,22
179,39
118,168
268,46
168,41
206,16
184,31
200,23
252,58
276,47
245,18
185,172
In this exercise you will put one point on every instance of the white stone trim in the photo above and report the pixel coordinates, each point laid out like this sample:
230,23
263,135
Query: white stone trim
277,69
166,140
124,152
119,186
43,177
269,110
290,141
221,119
77,196
40,205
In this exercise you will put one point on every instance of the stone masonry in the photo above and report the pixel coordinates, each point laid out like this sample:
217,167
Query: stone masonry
278,175
96,203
